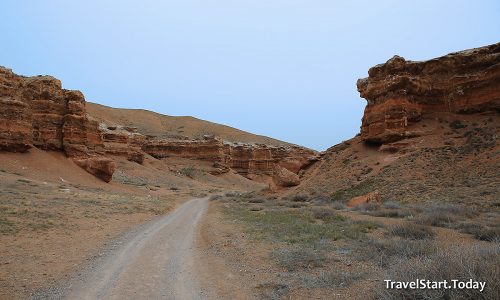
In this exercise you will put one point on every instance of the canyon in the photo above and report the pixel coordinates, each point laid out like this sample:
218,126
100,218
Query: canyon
38,112
101,179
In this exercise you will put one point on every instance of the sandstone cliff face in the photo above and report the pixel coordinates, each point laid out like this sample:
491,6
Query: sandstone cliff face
36,111
246,159
124,142
402,92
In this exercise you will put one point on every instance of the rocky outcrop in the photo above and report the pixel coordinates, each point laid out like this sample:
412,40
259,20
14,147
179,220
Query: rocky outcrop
285,178
124,142
402,92
38,112
208,148
372,198
245,159
15,114
101,167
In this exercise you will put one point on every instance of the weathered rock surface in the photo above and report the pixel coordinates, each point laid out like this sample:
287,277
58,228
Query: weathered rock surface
401,92
285,178
99,166
246,159
38,112
124,142
372,198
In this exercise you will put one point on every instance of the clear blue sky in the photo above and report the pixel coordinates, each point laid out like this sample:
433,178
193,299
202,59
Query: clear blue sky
281,68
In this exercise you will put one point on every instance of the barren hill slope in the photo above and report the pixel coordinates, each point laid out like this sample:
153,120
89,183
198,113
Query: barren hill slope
429,133
163,126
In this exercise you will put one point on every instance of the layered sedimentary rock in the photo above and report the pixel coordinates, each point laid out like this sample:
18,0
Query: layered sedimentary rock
38,112
15,114
124,142
209,148
401,92
246,159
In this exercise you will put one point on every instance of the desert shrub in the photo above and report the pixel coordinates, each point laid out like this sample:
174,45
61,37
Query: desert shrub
188,172
489,234
476,262
256,200
294,204
456,124
300,258
412,231
384,251
319,201
391,204
338,205
231,194
270,290
300,198
215,197
444,214
333,279
322,213
390,213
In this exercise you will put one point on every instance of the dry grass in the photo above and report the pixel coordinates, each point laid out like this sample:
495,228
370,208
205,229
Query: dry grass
25,207
293,259
476,262
412,231
444,214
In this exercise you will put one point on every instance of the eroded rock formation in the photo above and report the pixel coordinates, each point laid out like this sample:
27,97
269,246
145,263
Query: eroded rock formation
246,159
401,92
37,111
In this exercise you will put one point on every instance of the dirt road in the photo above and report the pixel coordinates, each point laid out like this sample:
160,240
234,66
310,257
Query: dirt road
154,262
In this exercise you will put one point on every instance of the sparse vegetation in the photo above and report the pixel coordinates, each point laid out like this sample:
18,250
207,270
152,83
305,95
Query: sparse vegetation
412,231
298,258
299,198
332,279
298,226
357,190
476,262
188,172
443,215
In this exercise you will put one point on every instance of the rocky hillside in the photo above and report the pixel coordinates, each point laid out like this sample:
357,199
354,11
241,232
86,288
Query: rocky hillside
38,112
170,127
429,132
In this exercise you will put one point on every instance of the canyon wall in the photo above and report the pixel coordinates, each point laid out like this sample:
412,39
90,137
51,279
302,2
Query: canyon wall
38,112
246,159
401,92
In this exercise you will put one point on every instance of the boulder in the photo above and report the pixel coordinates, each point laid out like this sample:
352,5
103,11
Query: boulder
285,178
372,198
101,167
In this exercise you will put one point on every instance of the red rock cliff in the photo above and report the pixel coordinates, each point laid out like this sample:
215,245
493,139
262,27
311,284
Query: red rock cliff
36,111
402,92
246,159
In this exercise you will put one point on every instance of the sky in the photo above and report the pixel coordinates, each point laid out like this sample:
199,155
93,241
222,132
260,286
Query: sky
281,68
